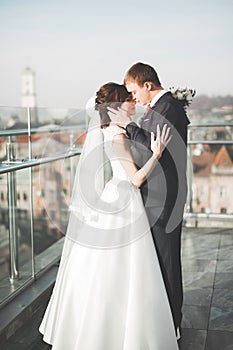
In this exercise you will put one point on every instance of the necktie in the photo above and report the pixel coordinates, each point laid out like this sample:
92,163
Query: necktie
147,110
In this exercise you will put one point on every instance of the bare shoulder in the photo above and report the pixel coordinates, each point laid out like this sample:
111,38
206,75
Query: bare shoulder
120,136
120,142
117,132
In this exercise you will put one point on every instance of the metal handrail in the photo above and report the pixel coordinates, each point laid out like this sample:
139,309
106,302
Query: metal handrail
74,152
44,129
209,124
210,142
39,130
34,162
213,216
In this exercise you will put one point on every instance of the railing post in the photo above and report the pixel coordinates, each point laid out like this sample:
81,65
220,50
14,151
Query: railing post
72,167
12,213
190,176
31,191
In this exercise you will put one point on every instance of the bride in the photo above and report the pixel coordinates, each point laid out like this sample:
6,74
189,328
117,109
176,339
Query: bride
109,293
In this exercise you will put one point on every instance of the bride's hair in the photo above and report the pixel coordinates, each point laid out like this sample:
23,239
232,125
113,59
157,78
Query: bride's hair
110,95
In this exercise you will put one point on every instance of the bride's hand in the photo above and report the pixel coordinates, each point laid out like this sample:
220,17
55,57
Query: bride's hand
161,141
119,116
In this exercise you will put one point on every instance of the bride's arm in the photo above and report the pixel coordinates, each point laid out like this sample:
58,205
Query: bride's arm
122,151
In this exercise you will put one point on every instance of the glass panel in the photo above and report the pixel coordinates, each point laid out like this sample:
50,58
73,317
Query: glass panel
13,134
15,251
212,165
210,133
51,199
4,232
58,130
51,189
13,118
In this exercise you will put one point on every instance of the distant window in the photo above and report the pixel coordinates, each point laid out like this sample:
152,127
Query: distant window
223,192
25,197
18,196
223,210
203,191
24,214
4,218
52,195
202,210
42,193
2,196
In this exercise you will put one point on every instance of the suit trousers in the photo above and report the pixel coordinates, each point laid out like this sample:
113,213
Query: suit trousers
168,247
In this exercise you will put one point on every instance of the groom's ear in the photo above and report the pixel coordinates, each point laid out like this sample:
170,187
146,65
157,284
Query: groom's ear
148,85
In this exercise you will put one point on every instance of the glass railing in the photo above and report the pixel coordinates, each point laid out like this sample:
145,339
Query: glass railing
210,171
39,152
38,159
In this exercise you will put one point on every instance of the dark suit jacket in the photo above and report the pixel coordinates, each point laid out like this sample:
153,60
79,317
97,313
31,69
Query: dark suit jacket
166,187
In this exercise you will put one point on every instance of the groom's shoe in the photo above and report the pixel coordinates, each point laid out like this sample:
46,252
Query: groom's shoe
178,333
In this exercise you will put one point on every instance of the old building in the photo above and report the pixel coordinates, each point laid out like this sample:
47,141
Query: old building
212,181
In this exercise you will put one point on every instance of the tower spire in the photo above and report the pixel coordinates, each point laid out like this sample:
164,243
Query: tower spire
28,92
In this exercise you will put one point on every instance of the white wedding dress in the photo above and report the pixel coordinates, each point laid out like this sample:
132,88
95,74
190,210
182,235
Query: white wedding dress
111,298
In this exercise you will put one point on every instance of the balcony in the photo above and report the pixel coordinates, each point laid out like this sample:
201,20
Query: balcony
36,173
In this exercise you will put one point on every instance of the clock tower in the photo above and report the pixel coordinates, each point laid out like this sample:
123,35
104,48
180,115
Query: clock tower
28,93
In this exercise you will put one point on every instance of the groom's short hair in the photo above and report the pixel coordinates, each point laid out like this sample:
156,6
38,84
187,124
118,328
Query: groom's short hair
141,73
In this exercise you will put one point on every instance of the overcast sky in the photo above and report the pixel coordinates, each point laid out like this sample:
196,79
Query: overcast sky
75,46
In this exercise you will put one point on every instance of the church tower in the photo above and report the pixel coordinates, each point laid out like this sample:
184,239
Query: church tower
28,96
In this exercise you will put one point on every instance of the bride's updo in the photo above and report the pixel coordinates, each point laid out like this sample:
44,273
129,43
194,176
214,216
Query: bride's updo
110,95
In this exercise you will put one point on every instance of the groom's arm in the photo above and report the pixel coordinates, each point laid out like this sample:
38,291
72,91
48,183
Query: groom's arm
134,132
142,135
165,114
137,134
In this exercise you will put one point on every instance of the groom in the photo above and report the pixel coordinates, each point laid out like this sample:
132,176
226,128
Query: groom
164,192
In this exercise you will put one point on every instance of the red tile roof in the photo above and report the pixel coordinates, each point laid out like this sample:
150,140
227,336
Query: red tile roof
202,163
223,158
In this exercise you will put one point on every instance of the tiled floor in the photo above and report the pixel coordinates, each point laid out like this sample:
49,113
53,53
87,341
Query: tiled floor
207,258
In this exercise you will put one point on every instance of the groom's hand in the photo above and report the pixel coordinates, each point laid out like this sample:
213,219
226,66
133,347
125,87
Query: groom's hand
119,117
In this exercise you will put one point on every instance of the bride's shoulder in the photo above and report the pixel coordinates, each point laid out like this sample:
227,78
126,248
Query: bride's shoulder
113,130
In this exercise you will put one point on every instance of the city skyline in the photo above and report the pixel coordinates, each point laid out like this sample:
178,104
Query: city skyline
76,47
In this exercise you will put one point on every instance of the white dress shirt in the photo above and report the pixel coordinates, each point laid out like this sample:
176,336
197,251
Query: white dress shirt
157,97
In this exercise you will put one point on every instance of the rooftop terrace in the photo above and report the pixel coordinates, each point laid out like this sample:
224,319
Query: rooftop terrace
34,196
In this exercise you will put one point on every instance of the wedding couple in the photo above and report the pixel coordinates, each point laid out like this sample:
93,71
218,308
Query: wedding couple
119,284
